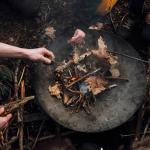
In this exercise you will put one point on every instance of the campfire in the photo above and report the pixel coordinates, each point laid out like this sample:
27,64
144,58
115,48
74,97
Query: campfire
86,74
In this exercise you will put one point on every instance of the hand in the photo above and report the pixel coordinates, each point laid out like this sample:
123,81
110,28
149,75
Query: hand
78,37
147,18
4,120
40,54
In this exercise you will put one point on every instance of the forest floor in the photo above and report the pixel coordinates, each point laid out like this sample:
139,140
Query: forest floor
37,126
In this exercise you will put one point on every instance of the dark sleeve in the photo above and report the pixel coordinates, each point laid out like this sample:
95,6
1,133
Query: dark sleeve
84,25
86,14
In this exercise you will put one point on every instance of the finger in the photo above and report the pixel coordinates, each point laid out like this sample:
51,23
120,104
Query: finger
76,32
75,38
4,120
9,116
79,40
49,54
1,110
46,60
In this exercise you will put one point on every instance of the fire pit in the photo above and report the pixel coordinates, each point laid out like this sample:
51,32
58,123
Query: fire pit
81,78
113,107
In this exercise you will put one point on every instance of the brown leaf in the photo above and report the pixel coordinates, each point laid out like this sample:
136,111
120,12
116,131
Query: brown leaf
55,90
65,98
96,84
115,72
102,52
50,32
112,59
102,47
82,68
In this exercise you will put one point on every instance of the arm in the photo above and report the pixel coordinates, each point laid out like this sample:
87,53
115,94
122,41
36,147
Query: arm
38,54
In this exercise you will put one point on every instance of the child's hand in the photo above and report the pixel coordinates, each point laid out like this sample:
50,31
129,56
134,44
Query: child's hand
4,120
147,19
78,37
40,54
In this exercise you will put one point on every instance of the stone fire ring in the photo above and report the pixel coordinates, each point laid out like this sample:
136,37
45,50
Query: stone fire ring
113,107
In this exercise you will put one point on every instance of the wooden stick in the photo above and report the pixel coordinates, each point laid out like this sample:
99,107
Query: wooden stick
82,78
53,136
12,106
116,78
39,132
130,57
21,109
23,71
66,65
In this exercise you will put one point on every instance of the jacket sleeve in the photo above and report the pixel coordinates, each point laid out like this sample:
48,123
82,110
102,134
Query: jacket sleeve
105,6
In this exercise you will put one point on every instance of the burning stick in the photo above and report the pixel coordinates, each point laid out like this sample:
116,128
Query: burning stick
66,65
82,78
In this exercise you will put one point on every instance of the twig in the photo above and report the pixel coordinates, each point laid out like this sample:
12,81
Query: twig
16,80
23,71
133,134
34,144
112,86
131,57
53,136
14,138
146,129
114,28
66,65
82,78
123,19
12,106
139,121
21,117
117,78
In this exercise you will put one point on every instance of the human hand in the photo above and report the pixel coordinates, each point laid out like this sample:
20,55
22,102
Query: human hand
78,37
147,18
4,120
40,54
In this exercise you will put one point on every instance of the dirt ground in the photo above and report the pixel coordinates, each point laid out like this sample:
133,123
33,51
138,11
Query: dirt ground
30,33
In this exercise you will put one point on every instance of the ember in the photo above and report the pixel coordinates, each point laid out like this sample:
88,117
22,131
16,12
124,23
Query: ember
84,76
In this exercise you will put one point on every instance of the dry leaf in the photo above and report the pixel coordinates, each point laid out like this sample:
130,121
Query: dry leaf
102,52
115,72
82,68
96,84
65,98
102,49
50,32
102,46
112,59
55,90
